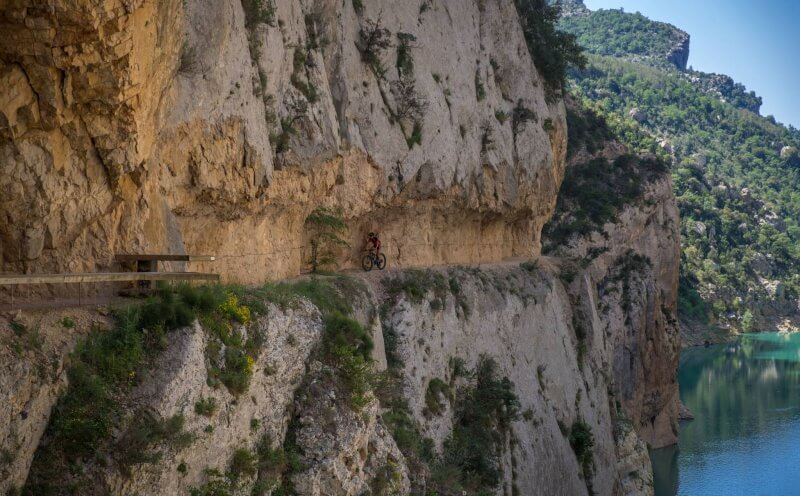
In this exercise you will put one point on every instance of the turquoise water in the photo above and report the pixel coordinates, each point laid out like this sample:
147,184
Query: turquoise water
745,439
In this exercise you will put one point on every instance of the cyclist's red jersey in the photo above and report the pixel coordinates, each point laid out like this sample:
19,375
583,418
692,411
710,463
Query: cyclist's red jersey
376,243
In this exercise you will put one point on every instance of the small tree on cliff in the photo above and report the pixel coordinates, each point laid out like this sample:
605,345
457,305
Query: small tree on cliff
326,228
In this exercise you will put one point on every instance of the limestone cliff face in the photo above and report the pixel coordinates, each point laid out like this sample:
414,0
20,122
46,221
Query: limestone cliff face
627,276
526,318
199,127
679,52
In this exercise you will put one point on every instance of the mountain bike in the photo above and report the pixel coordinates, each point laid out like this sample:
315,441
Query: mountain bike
371,259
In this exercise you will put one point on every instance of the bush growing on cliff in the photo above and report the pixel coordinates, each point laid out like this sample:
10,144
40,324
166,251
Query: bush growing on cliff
484,411
552,50
258,12
347,345
581,440
325,227
373,41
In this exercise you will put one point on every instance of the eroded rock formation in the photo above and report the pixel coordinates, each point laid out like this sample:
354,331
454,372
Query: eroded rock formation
193,127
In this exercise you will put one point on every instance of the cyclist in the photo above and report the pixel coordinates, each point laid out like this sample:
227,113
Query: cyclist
373,243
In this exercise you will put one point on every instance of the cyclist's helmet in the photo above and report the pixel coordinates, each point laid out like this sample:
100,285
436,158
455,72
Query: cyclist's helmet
371,234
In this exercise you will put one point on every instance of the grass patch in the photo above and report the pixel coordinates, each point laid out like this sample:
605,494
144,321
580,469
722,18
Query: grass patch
415,284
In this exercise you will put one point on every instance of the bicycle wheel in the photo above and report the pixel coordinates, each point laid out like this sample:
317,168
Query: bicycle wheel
380,261
366,262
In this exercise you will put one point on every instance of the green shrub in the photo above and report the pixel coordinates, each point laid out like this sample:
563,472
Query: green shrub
138,444
373,42
435,393
68,322
299,78
205,406
594,192
484,411
342,331
552,50
416,135
238,370
480,90
405,60
243,463
325,227
258,12
582,442
415,285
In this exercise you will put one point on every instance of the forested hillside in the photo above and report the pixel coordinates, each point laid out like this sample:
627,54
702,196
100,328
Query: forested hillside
735,172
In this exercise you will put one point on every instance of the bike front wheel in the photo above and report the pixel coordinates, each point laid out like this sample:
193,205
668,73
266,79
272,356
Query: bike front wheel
380,261
366,262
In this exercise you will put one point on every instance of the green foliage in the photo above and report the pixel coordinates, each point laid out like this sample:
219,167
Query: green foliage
243,463
374,40
435,394
348,346
342,331
104,368
552,50
358,6
618,33
299,78
25,339
415,284
690,304
416,135
582,441
586,130
258,12
484,411
405,60
328,293
325,228
68,322
594,192
520,116
139,443
480,90
719,149
748,321
205,406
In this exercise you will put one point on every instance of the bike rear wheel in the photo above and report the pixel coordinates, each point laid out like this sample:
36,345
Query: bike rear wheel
367,262
380,261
